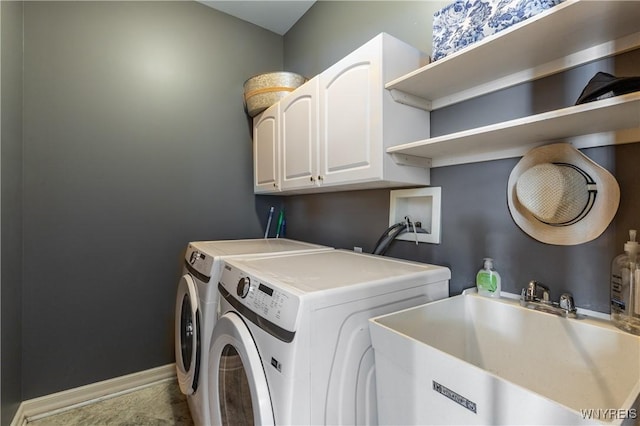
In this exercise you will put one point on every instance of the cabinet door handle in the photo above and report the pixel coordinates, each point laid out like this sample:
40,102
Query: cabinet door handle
320,177
311,179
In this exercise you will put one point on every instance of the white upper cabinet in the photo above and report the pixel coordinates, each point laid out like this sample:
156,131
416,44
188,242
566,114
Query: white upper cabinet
567,35
333,131
350,134
299,137
266,172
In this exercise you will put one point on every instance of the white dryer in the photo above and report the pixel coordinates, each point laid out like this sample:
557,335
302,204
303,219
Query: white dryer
292,344
197,309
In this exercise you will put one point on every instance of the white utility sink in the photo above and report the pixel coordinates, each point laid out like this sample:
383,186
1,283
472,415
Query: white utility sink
474,360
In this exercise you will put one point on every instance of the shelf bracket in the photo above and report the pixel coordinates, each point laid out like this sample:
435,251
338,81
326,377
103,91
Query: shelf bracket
410,100
411,160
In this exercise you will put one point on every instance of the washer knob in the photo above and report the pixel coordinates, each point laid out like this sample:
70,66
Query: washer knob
243,287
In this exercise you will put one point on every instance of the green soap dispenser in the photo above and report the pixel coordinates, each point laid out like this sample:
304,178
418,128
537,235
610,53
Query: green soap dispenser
488,280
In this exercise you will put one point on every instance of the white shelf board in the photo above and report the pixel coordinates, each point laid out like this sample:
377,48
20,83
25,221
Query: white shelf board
617,113
567,35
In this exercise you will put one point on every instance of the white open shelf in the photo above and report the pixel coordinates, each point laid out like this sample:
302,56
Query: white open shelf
565,36
572,33
515,136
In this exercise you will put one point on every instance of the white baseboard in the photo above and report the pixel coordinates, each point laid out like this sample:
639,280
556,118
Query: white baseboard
43,406
19,419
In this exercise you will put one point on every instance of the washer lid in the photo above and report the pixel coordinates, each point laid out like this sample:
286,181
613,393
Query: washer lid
253,246
200,256
325,270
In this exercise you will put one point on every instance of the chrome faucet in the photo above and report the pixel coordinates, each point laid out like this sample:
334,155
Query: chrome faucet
535,292
536,296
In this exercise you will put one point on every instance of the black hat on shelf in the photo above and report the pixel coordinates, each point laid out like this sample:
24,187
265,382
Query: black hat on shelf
604,85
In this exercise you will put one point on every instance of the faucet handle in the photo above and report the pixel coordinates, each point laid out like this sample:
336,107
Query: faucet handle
536,291
566,302
530,292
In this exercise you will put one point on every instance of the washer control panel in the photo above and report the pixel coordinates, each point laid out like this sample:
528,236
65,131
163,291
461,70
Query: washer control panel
199,261
244,284
274,304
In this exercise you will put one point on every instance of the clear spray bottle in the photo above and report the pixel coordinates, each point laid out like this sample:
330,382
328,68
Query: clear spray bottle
625,294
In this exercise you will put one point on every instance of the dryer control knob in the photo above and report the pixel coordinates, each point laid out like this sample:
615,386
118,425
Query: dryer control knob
243,287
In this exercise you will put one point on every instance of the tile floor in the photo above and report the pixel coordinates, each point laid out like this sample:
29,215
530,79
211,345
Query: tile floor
158,404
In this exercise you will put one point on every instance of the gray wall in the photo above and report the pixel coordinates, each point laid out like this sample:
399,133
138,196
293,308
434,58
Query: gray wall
10,209
331,29
135,142
476,221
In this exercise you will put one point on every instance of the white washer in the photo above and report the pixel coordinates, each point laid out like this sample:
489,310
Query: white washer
197,309
292,344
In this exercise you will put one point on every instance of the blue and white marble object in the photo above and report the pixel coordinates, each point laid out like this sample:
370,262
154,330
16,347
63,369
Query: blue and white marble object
465,22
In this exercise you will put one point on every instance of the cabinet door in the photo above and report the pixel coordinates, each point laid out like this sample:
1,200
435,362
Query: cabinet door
350,118
299,137
265,151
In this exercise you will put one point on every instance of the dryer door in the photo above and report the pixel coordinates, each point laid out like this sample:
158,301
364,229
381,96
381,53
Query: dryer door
237,384
188,334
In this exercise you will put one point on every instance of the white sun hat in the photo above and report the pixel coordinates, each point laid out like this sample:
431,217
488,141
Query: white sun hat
558,195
